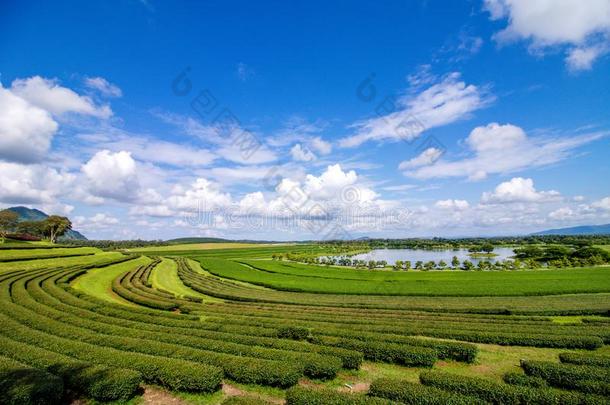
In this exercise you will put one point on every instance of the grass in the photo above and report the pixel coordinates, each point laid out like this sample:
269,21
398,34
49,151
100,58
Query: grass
165,277
98,282
318,279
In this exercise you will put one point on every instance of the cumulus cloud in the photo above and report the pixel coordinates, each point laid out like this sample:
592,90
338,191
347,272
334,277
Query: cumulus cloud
503,148
301,154
26,131
458,205
32,184
445,102
581,26
112,175
516,190
426,158
103,86
50,96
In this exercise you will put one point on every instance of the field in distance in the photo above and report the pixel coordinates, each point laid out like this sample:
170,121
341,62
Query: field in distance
200,246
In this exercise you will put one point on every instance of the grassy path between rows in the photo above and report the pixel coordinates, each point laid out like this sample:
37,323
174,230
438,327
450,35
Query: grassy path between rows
98,282
165,277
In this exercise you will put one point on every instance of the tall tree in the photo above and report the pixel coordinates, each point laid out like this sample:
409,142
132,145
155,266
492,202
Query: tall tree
8,222
55,226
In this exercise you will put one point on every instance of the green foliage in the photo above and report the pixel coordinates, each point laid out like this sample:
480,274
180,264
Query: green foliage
518,378
293,332
23,385
299,395
500,393
8,221
585,359
587,379
409,393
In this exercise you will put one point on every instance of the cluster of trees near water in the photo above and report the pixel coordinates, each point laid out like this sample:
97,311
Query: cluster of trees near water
467,243
50,228
526,257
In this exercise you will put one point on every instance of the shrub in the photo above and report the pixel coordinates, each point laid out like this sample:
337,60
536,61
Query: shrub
293,332
20,384
587,379
392,352
416,394
500,393
517,378
299,395
585,359
105,384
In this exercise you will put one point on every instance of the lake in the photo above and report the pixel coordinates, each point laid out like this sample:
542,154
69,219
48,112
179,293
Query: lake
391,255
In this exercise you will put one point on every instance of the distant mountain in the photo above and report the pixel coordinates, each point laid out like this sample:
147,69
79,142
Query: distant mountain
32,214
578,230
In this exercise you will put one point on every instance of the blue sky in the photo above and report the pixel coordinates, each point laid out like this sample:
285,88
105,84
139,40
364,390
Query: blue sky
420,118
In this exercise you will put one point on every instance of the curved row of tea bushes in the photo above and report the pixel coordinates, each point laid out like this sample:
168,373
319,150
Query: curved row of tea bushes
24,385
406,392
500,393
241,369
175,374
504,338
583,304
22,325
410,356
55,297
585,359
518,378
316,365
465,352
534,335
587,379
422,324
121,288
299,395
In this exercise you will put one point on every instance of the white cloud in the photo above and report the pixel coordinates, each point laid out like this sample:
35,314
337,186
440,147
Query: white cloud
202,195
583,58
103,86
603,204
32,184
321,146
583,26
112,175
562,214
250,155
458,205
504,149
426,158
443,103
50,96
26,131
148,149
97,221
301,154
518,190
495,137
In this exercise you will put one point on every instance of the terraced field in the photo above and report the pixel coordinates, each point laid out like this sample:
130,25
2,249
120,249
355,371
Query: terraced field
194,325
